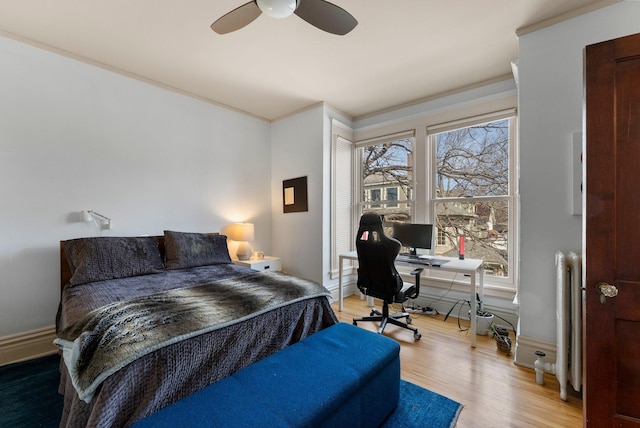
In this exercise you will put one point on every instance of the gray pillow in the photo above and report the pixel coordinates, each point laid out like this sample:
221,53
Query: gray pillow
103,258
185,250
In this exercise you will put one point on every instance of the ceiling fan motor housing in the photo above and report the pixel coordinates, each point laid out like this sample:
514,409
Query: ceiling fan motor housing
278,8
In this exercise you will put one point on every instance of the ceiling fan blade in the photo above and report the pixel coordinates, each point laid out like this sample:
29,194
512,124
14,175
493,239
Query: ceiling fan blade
326,16
237,18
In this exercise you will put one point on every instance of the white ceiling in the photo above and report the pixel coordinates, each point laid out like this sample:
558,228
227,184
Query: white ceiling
402,51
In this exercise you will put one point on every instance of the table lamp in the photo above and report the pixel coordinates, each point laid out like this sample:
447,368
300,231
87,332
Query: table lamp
242,232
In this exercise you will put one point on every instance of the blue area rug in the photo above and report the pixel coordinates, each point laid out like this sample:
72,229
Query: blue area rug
29,393
29,398
419,407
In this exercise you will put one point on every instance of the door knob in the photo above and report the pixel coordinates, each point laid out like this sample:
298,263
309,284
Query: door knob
606,290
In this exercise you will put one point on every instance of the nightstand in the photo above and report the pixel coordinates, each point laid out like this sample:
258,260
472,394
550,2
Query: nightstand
268,263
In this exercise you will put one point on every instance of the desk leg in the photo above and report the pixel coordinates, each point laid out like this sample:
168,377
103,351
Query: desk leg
340,264
473,309
481,282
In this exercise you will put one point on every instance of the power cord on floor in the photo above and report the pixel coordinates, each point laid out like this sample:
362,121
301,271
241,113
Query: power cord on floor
420,310
453,280
429,309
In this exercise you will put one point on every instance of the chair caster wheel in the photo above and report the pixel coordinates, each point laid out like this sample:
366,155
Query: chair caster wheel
417,335
355,323
409,320
372,313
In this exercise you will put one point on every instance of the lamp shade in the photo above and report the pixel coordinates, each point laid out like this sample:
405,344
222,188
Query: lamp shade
99,219
277,8
241,232
85,216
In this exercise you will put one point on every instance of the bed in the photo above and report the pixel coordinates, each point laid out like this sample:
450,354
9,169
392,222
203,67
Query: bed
146,321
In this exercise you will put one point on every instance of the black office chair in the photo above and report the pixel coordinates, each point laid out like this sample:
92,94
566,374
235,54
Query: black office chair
378,277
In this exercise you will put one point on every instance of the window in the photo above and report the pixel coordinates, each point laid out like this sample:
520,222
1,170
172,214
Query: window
458,176
386,176
392,195
473,191
342,193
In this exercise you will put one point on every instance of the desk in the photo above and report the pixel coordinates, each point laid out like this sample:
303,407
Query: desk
474,268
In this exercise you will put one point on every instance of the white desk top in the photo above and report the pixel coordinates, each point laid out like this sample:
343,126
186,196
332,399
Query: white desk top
453,264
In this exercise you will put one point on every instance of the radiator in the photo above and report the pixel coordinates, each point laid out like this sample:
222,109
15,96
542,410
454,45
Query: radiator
569,301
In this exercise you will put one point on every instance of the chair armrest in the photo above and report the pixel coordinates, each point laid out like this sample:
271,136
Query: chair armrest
416,274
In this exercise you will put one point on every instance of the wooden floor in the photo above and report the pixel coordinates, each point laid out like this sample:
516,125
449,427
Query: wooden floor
493,390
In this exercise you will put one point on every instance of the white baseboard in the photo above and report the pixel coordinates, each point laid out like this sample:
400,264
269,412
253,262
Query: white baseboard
27,345
526,348
348,288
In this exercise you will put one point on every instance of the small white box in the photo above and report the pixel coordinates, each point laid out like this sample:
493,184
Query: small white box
266,264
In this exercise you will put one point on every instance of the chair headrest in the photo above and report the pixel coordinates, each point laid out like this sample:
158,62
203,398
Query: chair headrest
370,220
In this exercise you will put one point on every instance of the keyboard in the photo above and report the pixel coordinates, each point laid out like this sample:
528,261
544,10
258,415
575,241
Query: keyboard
423,261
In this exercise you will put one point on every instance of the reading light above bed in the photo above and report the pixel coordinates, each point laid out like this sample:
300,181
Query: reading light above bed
242,232
103,221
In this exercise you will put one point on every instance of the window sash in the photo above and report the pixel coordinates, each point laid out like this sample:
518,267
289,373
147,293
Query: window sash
365,201
510,198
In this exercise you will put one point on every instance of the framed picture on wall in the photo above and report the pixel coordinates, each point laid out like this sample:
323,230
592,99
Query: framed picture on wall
294,195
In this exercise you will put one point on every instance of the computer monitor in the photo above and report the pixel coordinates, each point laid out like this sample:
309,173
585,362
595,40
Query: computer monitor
414,236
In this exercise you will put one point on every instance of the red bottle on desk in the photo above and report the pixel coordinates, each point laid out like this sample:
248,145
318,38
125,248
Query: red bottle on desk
461,248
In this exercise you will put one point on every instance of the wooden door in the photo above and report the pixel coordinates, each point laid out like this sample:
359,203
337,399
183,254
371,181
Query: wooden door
612,234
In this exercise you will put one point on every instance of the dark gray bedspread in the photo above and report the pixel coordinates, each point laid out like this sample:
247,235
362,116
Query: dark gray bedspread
173,372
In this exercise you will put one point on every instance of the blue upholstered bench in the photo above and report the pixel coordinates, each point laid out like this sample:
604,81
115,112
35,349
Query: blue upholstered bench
342,376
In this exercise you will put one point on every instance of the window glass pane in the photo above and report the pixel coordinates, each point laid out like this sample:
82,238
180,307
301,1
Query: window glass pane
392,195
374,195
387,175
485,226
473,161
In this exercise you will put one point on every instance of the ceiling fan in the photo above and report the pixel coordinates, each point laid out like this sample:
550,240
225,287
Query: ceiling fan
319,13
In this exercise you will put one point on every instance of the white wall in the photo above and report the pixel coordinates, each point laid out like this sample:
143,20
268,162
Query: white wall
550,111
301,146
297,151
74,136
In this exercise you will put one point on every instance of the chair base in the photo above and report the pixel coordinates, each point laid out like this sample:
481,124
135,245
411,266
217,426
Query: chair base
385,318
